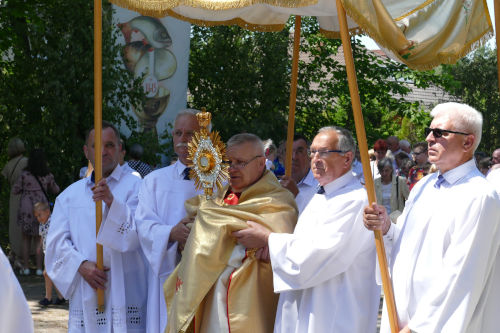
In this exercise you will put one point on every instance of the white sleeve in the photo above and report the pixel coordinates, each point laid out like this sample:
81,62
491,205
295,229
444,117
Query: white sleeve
15,314
61,258
467,262
118,229
301,261
153,235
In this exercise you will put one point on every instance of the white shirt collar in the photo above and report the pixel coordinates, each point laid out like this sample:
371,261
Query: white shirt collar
116,174
454,175
338,183
179,168
308,179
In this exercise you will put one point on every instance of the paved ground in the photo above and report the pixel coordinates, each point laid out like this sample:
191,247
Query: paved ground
52,319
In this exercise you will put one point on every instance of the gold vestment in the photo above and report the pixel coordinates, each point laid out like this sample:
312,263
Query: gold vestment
251,302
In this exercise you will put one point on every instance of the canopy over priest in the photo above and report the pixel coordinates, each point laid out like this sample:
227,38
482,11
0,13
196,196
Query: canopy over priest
220,286
71,246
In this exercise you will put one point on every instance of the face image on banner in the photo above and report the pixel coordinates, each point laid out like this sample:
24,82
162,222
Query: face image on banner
156,50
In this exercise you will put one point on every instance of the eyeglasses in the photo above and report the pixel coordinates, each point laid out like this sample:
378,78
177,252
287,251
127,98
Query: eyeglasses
240,164
420,152
324,153
437,132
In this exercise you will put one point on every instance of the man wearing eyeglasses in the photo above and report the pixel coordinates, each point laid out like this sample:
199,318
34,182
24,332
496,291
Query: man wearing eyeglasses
325,270
220,286
444,250
421,167
302,184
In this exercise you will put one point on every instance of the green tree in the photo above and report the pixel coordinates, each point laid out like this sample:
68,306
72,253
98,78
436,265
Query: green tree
243,77
46,80
476,84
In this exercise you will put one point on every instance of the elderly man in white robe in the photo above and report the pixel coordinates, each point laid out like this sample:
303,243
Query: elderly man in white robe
161,219
443,251
71,246
325,270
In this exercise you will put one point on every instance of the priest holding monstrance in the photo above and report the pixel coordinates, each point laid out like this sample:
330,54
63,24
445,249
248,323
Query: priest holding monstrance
220,286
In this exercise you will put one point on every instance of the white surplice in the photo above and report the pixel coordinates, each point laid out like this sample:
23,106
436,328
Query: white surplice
15,314
161,206
307,188
72,239
494,178
325,270
445,262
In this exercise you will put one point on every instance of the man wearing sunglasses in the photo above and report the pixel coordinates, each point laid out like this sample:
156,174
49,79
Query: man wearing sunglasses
325,270
443,251
222,284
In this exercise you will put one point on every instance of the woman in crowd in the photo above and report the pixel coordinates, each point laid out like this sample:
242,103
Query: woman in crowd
33,184
390,190
380,150
12,171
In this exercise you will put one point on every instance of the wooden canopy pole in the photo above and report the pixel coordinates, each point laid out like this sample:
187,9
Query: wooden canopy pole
497,35
98,132
365,160
293,97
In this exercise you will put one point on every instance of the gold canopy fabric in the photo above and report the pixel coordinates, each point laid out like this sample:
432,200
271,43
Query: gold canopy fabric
421,34
251,301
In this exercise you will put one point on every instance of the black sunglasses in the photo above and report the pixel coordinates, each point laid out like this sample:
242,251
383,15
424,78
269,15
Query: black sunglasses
437,132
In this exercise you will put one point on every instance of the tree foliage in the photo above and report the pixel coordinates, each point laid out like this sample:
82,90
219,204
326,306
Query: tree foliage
46,80
476,83
243,77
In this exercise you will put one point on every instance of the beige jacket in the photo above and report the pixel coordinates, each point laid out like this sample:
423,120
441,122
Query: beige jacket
399,195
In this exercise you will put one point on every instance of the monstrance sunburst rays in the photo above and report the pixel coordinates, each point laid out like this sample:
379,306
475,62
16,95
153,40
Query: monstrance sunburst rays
207,153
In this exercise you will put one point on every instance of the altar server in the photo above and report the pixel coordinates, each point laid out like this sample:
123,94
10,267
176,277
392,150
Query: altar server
444,263
71,246
324,270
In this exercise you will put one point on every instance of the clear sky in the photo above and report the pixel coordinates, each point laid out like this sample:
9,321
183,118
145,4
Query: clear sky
371,45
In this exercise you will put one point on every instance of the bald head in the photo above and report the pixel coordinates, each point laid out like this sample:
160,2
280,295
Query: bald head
495,157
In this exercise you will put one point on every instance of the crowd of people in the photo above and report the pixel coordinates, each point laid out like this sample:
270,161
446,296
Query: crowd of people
271,252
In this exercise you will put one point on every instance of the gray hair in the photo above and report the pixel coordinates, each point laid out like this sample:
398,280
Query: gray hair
383,163
269,144
15,147
239,139
404,144
346,141
463,117
189,112
393,137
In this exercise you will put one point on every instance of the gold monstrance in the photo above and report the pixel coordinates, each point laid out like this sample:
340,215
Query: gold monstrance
206,156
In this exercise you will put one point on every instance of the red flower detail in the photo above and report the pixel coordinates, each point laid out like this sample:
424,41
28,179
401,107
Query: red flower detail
178,284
